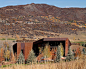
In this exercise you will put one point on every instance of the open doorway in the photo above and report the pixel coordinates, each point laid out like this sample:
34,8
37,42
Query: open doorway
15,48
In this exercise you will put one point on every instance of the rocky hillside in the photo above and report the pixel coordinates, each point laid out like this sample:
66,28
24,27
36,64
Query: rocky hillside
32,17
44,10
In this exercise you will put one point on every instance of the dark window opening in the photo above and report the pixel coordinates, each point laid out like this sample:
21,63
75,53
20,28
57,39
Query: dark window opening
54,45
15,48
36,50
22,47
22,51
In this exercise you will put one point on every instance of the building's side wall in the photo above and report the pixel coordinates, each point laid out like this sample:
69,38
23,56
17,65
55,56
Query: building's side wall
28,47
18,49
66,46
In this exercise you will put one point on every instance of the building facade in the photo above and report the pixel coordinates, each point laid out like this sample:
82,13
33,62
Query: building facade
26,47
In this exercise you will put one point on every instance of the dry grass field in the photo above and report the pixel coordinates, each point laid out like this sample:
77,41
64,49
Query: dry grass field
77,64
72,37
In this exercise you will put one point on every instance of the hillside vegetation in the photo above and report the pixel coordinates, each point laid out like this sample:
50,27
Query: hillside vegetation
44,20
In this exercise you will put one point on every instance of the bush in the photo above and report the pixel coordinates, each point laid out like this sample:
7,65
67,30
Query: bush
21,59
31,57
4,65
10,39
84,51
3,39
70,55
58,54
84,45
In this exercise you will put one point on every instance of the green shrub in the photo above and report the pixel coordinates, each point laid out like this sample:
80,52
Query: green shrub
10,39
31,57
58,54
21,59
4,65
70,55
84,51
2,39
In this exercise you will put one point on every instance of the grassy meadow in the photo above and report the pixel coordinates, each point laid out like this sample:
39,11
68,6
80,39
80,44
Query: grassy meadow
76,64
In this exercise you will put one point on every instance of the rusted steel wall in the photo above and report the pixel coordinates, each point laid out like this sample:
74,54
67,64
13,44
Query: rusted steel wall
18,49
28,47
66,46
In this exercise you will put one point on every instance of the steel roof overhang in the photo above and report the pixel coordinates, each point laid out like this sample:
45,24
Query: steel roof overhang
50,39
54,39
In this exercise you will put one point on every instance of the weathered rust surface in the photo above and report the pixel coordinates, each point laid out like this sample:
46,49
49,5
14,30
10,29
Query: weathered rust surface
18,49
50,39
67,42
54,39
22,46
28,48
66,46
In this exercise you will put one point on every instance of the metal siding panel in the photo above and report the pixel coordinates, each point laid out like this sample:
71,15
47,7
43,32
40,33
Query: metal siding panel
22,45
54,39
18,49
66,47
28,48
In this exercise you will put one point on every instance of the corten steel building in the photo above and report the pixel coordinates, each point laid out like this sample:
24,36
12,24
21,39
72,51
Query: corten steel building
27,46
53,42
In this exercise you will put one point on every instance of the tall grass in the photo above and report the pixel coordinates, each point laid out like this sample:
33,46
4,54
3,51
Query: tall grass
82,42
76,64
10,39
7,39
2,39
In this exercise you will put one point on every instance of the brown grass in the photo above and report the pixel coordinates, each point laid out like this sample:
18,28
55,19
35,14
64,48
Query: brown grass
77,64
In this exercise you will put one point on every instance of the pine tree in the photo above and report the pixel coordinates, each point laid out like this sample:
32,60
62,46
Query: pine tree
31,57
84,51
21,59
70,55
58,54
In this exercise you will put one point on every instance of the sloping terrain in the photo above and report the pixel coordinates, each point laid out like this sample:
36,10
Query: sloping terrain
37,19
44,10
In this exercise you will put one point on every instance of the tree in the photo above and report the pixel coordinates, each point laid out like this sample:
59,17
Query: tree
7,51
62,50
58,54
70,55
46,51
21,59
40,50
7,55
84,51
79,52
31,57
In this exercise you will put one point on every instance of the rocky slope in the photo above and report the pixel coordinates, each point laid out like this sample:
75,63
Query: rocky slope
44,10
43,17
